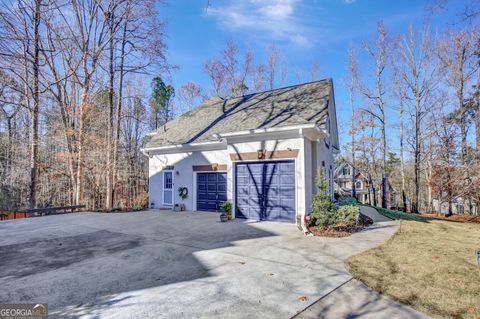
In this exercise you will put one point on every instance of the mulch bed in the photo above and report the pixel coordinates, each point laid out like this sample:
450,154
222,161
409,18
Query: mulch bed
337,231
456,218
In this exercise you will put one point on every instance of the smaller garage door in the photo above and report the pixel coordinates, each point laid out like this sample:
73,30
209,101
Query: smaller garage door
211,191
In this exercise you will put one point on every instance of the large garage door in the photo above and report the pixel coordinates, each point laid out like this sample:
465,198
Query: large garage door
265,190
211,191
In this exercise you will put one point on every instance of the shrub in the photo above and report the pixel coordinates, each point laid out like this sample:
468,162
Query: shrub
345,200
348,214
137,208
328,218
323,211
116,209
227,207
141,199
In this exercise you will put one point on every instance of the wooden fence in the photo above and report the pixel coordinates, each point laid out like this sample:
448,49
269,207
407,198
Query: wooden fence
11,214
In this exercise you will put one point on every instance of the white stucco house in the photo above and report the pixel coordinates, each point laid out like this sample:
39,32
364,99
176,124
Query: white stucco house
261,151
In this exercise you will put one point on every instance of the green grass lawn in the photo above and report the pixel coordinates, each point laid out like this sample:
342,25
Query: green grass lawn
428,264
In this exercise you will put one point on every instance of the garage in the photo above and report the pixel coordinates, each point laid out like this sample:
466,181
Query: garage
265,190
211,191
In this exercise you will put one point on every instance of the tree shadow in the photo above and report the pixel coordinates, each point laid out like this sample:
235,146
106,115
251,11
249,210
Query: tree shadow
299,104
356,300
264,203
89,272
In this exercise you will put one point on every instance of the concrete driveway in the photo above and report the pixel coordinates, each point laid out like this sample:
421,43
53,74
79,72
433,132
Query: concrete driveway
163,264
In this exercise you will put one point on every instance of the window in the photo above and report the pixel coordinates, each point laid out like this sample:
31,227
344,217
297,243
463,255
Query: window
346,171
168,180
358,185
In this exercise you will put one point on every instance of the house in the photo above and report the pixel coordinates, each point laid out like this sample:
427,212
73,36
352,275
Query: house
364,191
458,205
261,151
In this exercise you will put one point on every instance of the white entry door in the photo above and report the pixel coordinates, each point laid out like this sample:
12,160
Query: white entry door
167,188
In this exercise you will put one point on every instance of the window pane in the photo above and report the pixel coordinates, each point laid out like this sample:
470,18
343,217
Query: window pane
168,197
168,180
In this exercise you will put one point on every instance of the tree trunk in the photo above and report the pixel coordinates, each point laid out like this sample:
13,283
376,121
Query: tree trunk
109,184
352,133
402,161
477,114
35,109
477,125
8,168
119,107
416,197
463,133
384,140
81,137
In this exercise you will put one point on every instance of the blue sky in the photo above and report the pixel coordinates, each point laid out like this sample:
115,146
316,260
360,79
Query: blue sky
303,30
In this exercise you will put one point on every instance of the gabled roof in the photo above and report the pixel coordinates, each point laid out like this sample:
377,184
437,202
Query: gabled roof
339,168
295,105
360,175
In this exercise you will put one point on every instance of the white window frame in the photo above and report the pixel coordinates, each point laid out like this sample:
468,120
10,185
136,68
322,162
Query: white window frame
163,188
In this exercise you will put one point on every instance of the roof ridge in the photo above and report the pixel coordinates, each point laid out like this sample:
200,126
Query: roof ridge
290,86
213,98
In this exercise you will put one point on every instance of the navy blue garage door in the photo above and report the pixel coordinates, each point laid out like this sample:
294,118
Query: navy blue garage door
265,191
211,191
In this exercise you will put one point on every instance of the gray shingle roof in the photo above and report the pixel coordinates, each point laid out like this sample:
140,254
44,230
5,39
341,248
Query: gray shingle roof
294,105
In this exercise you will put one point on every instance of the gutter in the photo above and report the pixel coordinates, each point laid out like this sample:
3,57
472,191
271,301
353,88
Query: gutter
184,147
266,130
221,139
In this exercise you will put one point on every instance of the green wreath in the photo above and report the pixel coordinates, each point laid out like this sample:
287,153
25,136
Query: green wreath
183,192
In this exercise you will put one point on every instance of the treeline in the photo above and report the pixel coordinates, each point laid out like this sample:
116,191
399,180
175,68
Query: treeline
234,73
82,83
415,114
73,110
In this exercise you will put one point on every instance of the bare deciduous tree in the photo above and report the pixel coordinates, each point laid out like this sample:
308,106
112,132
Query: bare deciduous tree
418,70
188,95
352,87
378,55
272,65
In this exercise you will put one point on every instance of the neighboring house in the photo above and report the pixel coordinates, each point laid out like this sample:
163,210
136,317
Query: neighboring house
364,193
261,151
458,206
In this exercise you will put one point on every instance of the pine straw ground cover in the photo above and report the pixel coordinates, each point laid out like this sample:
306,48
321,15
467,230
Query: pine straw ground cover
457,218
428,264
336,231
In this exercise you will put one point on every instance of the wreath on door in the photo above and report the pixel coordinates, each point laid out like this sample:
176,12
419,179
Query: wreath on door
183,192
